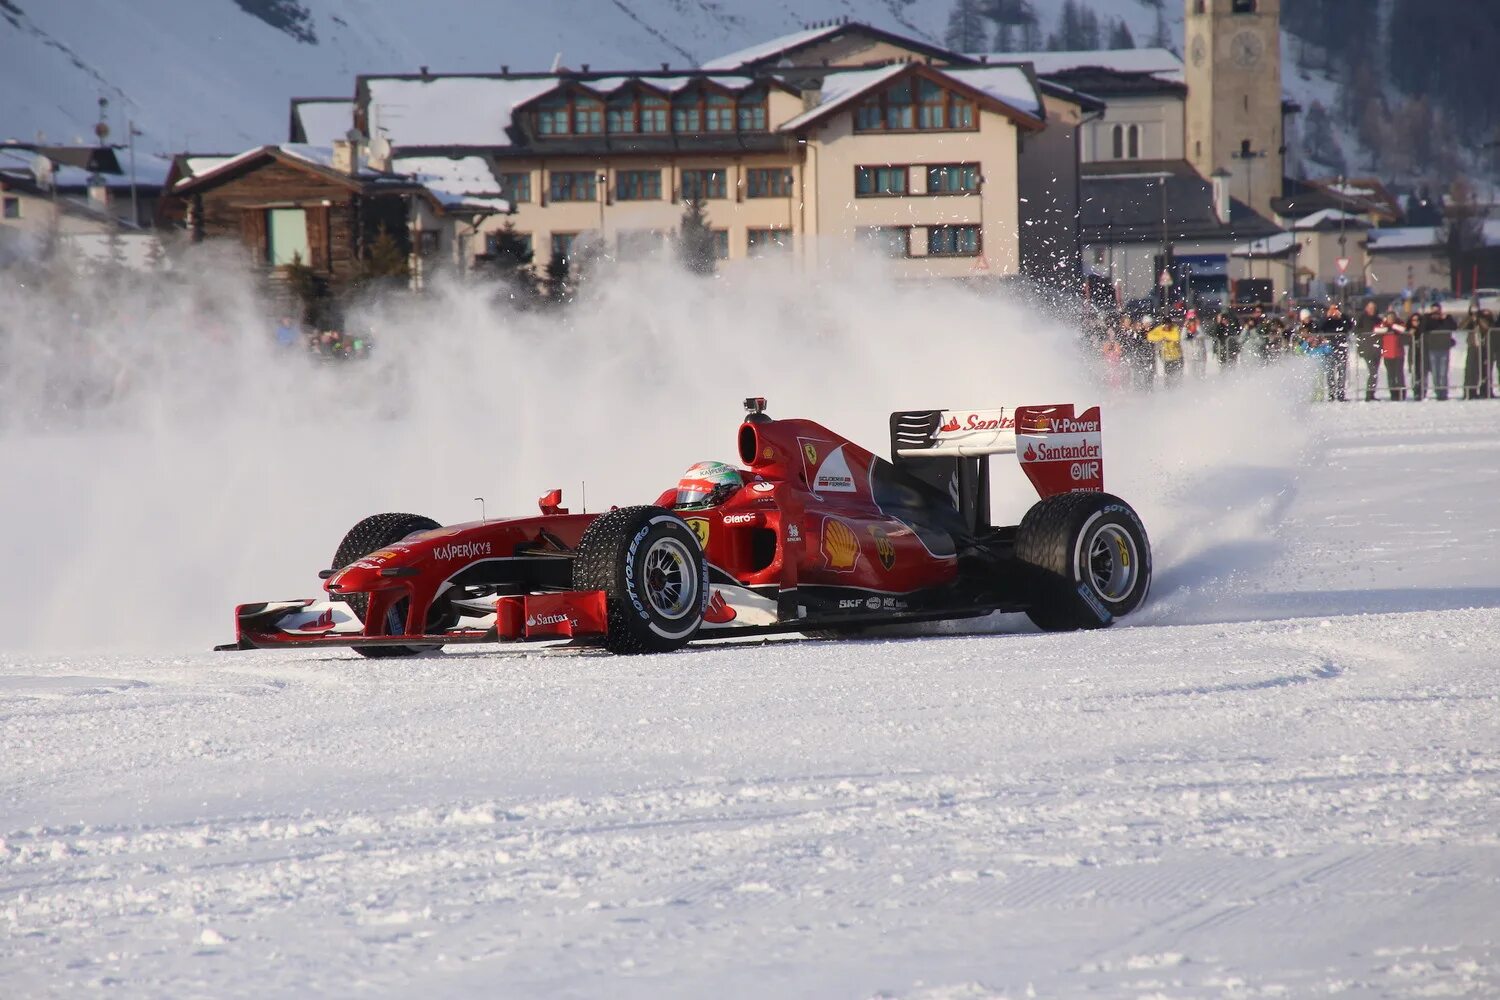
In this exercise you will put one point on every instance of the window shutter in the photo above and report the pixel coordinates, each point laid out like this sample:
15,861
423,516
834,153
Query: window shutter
253,232
317,237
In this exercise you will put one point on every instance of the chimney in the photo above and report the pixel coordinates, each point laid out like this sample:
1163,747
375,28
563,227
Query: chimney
585,67
665,67
505,69
1220,180
344,156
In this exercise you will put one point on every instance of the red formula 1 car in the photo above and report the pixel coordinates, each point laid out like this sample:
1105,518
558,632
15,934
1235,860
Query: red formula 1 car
822,537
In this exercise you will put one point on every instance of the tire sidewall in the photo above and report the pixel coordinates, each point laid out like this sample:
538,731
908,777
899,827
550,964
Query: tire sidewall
644,617
1110,511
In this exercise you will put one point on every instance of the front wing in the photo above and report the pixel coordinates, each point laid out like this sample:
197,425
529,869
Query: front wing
310,622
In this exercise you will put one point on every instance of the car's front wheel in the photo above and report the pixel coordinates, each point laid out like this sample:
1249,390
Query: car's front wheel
651,569
371,535
1089,560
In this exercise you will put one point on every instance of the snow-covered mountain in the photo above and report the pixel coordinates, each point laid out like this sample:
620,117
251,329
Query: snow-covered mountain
217,74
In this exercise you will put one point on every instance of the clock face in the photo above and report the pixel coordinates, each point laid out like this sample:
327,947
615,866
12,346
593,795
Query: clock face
1199,51
1245,49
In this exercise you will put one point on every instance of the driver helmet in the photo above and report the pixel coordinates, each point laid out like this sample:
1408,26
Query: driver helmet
706,484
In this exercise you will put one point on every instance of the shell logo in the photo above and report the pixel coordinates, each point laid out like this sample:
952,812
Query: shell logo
840,546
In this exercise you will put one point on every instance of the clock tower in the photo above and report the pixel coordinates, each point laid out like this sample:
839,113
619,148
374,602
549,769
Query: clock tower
1232,52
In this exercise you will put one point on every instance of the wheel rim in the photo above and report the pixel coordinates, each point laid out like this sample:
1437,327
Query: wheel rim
671,584
1114,566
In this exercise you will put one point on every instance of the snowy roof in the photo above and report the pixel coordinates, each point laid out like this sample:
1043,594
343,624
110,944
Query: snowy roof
1161,63
450,110
454,181
477,110
1006,84
1331,216
203,164
324,120
755,53
841,88
1403,238
318,156
1270,246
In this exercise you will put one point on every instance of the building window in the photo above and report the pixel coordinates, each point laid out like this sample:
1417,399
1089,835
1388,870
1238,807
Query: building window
953,241
516,188
564,114
653,114
888,241
12,207
953,178
763,241
573,185
588,117
687,114
752,111
704,184
1134,136
721,244
562,246
637,243
719,113
622,115
1244,6
638,185
880,182
494,243
1199,6
286,236
928,107
1117,142
769,182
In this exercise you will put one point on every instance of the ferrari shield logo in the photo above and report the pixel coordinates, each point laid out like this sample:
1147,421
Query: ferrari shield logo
700,528
810,452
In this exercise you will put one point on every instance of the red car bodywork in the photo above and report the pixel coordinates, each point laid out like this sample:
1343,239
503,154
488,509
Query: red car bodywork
823,533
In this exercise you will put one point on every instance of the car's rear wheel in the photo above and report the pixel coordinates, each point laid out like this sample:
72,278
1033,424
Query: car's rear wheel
370,535
651,569
1089,560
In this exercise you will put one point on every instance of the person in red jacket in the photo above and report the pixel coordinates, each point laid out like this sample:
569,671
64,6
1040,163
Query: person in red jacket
1393,337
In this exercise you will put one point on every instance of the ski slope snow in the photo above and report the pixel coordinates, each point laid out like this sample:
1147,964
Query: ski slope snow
1280,780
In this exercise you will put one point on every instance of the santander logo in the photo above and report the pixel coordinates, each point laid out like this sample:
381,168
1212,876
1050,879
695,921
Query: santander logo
961,423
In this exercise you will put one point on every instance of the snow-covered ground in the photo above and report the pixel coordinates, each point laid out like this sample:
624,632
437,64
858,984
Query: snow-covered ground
1283,779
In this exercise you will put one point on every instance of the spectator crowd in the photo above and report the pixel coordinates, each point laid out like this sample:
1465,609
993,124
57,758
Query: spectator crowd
1413,352
322,345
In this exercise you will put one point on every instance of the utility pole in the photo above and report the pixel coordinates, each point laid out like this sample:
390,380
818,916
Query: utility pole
130,133
1343,253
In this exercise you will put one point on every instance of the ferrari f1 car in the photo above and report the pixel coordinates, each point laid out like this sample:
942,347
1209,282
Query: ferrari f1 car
820,537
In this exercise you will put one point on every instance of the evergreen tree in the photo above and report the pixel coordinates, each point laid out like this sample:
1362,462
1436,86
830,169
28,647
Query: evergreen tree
311,293
1161,37
1319,140
508,259
1462,232
556,287
695,239
385,266
1120,36
966,26
1012,20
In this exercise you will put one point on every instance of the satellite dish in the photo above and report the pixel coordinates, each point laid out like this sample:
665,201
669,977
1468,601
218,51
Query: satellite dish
354,136
380,149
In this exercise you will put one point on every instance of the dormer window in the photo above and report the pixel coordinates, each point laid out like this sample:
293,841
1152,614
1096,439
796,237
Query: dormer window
718,113
569,114
915,104
752,111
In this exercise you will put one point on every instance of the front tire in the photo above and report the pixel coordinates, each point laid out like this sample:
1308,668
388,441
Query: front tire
370,535
651,569
1089,558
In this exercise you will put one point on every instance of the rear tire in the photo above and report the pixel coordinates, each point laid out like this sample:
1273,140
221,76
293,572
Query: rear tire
1089,559
370,535
649,564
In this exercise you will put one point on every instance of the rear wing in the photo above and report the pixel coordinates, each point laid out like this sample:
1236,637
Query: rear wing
1059,449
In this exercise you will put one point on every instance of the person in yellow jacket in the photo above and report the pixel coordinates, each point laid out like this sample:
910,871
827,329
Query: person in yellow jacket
1168,340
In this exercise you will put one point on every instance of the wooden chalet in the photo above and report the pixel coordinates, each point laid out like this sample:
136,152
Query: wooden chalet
308,203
